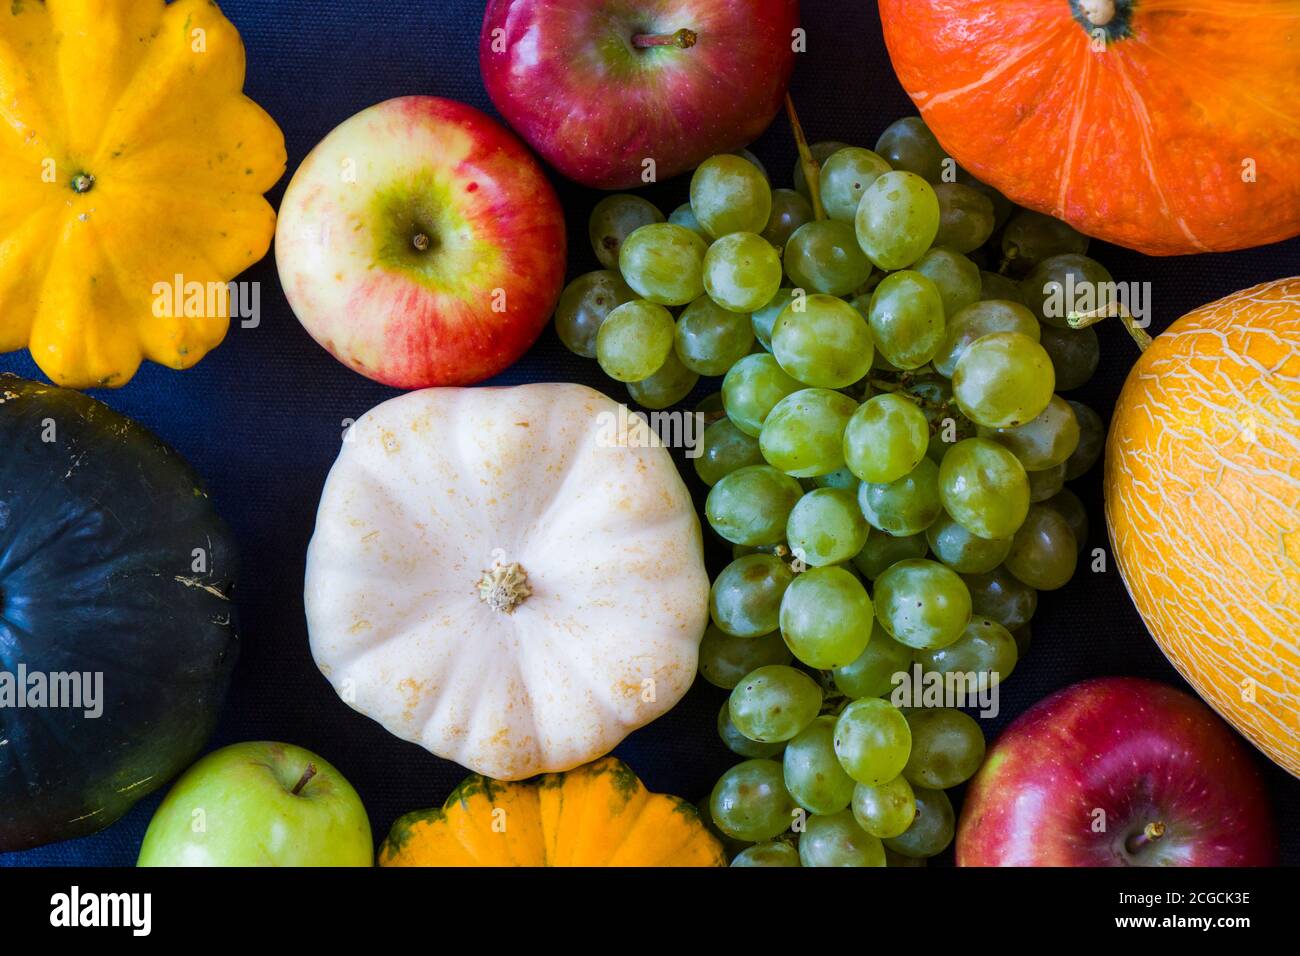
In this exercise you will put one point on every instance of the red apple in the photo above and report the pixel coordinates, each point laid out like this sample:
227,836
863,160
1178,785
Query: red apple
1117,772
421,244
600,86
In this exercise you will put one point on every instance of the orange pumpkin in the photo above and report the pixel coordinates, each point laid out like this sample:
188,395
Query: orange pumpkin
597,815
1168,126
1203,503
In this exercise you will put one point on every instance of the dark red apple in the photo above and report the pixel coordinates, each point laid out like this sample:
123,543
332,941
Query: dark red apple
600,86
1117,772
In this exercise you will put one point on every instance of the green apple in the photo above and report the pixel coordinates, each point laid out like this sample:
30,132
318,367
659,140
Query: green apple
260,804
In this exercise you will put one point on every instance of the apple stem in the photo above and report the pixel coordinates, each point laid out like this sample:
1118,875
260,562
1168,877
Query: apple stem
302,781
685,39
1081,320
812,171
1149,835
421,242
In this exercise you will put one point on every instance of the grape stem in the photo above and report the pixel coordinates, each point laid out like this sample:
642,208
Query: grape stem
684,39
1081,320
812,171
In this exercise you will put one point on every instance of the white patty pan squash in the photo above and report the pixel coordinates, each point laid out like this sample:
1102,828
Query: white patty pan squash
496,579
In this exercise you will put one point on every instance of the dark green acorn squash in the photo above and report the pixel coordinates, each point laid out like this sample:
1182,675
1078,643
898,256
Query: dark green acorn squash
112,562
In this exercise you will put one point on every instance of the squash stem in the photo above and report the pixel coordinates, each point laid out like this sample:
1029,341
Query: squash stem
504,587
812,170
1081,320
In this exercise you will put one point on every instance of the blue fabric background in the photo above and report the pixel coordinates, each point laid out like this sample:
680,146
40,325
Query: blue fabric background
262,417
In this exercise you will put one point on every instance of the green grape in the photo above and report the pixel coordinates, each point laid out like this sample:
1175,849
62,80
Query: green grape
962,551
634,340
904,507
1092,439
749,802
966,217
884,810
1003,379
872,673
730,194
908,144
886,438
1046,483
666,387
752,389
837,840
947,748
754,160
1043,442
1068,505
790,210
845,176
907,320
822,341
976,321
839,478
725,660
726,449
986,651
1067,283
1002,206
664,263
804,434
984,488
897,220
774,703
710,404
955,276
745,600
765,318
737,742
883,549
932,829
684,215
742,272
710,339
813,775
820,152
776,853
751,505
826,617
824,256
583,306
996,286
826,527
872,740
922,604
1000,596
1045,552
1030,237
613,220
1075,355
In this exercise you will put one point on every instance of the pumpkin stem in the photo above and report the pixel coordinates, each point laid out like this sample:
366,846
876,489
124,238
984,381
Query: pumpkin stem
504,587
1149,835
1081,320
302,781
812,170
83,183
684,39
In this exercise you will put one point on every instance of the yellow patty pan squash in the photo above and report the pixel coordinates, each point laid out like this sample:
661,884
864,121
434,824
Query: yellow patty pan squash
133,169
597,815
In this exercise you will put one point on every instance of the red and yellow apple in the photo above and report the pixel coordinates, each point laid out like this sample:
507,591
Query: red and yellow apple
1117,772
421,244
599,87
